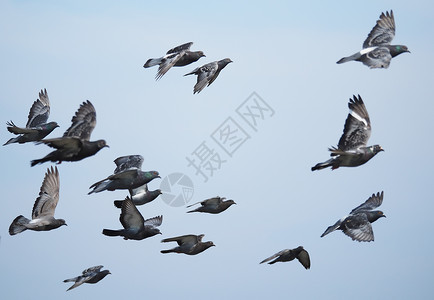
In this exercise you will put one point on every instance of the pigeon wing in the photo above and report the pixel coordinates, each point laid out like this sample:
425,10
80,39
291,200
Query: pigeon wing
373,202
304,259
83,122
155,221
130,215
185,239
278,254
168,62
180,48
128,162
40,110
377,58
383,32
357,129
46,203
91,270
206,73
358,228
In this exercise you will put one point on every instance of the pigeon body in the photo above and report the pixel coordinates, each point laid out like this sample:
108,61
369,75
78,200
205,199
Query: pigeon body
135,226
352,150
213,205
176,57
75,144
140,196
206,74
377,51
357,225
43,209
90,275
288,255
188,244
36,128
125,180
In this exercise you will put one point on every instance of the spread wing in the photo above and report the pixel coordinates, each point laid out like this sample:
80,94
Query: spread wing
278,254
130,215
83,122
373,202
378,58
383,32
167,63
46,203
91,270
358,228
128,162
357,129
40,110
205,76
304,259
180,48
155,221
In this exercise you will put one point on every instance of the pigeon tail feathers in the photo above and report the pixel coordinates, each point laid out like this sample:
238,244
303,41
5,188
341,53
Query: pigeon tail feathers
152,62
18,225
109,232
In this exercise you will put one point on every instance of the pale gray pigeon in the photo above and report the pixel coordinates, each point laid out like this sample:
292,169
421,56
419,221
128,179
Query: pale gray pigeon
189,244
140,196
377,51
176,57
135,226
352,150
43,209
206,74
36,128
212,205
290,254
357,225
90,275
75,144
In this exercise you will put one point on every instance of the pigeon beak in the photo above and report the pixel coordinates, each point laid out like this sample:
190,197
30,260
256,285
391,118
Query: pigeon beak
383,215
381,149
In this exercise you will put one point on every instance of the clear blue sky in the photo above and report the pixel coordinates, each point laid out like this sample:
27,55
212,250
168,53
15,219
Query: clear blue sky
284,52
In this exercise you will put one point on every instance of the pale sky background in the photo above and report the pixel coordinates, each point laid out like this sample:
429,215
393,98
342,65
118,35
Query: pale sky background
286,53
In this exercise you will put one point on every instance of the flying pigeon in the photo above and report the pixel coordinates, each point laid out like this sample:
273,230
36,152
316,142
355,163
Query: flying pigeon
377,51
43,209
135,226
352,150
208,73
290,254
357,225
140,196
75,144
176,57
188,244
36,128
125,180
90,275
212,205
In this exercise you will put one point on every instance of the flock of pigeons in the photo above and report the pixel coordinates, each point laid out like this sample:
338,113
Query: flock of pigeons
75,145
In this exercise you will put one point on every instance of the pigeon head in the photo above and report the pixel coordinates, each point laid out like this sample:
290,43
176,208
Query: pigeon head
152,174
50,126
101,144
398,49
375,215
230,202
200,53
61,222
208,244
222,63
153,231
376,148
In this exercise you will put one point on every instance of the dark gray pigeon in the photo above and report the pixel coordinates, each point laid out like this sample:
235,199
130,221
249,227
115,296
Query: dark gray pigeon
75,144
377,51
357,225
125,180
90,275
189,244
43,209
352,150
140,196
176,57
290,254
213,205
36,128
208,73
135,226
